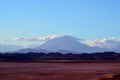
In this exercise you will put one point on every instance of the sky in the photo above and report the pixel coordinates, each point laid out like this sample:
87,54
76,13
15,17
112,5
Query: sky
86,19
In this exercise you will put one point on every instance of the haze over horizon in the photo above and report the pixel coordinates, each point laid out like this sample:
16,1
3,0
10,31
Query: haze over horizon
29,22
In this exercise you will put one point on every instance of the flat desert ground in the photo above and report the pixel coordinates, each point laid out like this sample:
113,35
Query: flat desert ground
56,71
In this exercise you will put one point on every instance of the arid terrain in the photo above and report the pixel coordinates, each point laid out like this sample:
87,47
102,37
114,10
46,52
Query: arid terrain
57,71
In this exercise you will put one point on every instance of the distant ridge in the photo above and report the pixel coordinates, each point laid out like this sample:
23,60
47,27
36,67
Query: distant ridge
27,50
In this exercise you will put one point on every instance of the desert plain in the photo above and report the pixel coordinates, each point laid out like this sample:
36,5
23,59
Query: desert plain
58,70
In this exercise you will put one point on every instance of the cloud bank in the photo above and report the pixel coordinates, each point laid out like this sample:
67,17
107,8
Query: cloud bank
42,38
106,42
19,39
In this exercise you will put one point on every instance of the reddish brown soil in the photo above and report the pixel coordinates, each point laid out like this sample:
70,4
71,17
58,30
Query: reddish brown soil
57,71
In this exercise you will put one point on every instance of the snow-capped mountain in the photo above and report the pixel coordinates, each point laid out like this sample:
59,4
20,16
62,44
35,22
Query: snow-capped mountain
66,43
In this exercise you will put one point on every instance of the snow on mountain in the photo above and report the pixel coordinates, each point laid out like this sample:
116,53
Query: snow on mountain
66,43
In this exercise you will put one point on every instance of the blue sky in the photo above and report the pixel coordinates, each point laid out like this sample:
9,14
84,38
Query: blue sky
86,19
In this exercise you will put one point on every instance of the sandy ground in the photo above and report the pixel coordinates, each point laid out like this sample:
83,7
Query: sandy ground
57,71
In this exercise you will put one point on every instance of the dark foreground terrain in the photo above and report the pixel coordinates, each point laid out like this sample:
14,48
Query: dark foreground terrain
61,70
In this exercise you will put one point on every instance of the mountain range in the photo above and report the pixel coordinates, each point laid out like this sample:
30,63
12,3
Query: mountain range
62,44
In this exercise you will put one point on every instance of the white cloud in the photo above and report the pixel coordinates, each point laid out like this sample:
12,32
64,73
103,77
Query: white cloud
29,45
19,39
42,38
106,42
